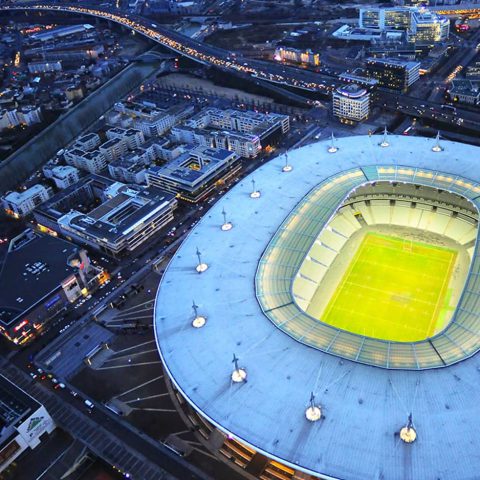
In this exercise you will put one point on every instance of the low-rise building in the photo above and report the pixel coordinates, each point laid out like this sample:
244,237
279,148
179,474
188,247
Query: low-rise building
93,161
151,120
113,149
193,175
108,216
87,142
128,171
351,103
20,204
41,276
294,55
132,137
24,422
465,91
62,175
45,67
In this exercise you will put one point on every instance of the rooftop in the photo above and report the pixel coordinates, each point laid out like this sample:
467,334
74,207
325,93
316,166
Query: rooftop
364,407
37,264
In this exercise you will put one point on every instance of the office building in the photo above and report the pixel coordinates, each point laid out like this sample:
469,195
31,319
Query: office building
41,276
24,423
351,103
109,216
193,175
61,32
393,73
428,28
20,204
294,55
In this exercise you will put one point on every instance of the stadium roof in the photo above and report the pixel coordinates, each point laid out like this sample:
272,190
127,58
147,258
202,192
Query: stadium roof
364,407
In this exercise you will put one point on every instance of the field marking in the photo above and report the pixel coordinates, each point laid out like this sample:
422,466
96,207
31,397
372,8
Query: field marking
431,258
441,295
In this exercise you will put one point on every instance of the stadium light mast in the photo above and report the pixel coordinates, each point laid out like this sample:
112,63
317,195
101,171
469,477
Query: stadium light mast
201,266
199,320
255,193
239,374
313,413
385,142
332,148
226,225
408,433
437,147
287,167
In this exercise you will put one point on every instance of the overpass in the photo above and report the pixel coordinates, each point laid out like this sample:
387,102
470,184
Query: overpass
200,52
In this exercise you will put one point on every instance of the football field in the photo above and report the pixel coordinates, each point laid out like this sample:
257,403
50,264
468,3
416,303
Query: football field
393,289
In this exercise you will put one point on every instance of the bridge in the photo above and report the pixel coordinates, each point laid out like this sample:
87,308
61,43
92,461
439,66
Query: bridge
200,52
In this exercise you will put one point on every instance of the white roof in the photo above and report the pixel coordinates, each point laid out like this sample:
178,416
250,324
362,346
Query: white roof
364,407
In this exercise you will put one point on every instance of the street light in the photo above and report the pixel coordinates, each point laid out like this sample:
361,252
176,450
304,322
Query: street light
332,148
384,142
287,167
408,433
201,267
239,374
437,147
313,413
199,320
226,225
255,193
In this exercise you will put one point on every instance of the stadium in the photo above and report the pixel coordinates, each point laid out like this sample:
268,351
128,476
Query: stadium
323,318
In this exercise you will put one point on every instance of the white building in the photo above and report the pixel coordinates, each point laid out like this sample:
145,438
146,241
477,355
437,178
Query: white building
93,161
29,115
133,138
295,55
351,103
24,421
150,120
62,175
88,142
8,119
45,67
113,149
20,204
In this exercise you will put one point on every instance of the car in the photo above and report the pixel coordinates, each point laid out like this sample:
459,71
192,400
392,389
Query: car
74,393
54,381
59,386
33,375
89,404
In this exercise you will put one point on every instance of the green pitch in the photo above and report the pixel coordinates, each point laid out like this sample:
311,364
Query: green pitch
393,289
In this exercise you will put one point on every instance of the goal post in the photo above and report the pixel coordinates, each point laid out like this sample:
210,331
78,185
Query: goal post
408,245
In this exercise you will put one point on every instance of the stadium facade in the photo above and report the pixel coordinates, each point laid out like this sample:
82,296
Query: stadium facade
303,399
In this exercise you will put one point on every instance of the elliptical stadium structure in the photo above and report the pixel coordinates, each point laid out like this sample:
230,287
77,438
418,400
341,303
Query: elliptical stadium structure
303,399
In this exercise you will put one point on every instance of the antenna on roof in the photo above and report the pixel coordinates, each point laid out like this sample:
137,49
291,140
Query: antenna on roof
287,167
255,193
201,267
239,374
199,320
384,142
437,147
332,148
313,413
408,433
226,225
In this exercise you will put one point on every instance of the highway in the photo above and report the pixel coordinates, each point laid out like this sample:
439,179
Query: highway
201,52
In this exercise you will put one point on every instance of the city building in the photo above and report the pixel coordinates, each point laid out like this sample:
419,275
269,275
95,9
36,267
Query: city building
24,423
397,24
87,142
106,215
62,175
49,274
194,174
294,55
150,119
20,204
128,171
464,90
93,161
113,149
393,73
309,400
55,33
244,133
45,67
351,103
132,137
